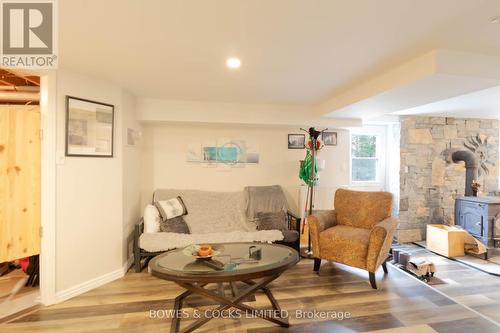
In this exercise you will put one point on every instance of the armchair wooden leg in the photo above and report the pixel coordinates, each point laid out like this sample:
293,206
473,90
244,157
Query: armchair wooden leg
384,267
373,282
317,264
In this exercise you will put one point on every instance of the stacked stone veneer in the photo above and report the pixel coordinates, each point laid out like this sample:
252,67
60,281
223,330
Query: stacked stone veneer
429,185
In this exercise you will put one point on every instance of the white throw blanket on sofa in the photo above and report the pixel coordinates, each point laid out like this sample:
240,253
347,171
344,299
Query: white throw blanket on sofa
162,241
211,212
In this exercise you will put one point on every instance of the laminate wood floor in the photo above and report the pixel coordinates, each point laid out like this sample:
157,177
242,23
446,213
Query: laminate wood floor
401,305
474,288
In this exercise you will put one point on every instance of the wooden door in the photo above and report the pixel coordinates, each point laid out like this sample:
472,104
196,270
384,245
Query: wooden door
19,181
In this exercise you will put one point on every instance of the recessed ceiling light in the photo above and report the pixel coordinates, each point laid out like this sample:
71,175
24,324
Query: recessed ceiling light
233,63
495,19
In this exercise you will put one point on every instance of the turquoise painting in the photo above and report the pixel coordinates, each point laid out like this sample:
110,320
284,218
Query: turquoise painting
227,154
221,154
210,154
225,151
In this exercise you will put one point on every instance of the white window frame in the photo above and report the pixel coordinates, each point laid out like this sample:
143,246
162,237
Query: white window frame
380,134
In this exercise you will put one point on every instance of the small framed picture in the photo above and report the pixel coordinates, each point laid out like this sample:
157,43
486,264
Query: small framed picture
329,138
296,141
89,128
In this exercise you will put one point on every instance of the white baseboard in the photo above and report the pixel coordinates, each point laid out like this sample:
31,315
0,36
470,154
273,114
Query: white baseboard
89,285
94,283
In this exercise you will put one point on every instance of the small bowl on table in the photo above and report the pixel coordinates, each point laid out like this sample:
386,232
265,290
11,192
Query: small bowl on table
202,251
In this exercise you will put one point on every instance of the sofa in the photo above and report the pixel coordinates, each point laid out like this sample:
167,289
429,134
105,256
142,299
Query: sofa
358,232
219,217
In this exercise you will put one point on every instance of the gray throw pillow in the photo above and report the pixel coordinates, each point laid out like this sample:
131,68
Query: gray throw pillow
271,221
171,208
175,224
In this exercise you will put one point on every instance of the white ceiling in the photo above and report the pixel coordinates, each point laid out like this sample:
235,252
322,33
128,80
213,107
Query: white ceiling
292,51
479,104
435,76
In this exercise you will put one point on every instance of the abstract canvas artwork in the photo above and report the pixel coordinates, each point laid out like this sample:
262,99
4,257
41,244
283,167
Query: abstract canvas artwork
223,151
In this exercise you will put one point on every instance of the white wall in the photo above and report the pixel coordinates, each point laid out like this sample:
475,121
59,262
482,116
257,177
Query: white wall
90,196
165,149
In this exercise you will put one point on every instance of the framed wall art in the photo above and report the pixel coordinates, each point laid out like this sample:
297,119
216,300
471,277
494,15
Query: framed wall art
296,141
329,138
89,128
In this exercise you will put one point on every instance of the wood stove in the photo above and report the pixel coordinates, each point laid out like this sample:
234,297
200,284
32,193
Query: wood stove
480,216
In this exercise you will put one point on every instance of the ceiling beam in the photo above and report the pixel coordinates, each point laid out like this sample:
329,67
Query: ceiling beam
7,83
31,79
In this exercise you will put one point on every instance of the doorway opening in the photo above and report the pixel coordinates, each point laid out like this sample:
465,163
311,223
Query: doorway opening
20,193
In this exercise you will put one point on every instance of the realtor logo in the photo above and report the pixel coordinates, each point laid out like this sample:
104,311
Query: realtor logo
28,34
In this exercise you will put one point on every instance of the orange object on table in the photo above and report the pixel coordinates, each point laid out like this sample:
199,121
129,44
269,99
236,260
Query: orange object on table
205,250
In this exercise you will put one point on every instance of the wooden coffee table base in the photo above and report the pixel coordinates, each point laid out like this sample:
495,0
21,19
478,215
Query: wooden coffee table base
228,302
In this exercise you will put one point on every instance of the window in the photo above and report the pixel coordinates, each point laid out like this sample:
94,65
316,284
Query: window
364,158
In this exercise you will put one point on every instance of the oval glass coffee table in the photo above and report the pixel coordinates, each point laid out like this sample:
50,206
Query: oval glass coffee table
231,264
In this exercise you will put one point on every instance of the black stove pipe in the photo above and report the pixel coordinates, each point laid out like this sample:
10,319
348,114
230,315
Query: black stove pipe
471,168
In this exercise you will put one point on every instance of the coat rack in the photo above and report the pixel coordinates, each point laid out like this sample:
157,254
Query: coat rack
308,174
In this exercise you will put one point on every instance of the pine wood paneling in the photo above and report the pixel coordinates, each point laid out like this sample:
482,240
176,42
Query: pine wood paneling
19,181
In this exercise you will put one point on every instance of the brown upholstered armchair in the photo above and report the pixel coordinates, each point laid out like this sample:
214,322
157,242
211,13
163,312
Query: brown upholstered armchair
357,233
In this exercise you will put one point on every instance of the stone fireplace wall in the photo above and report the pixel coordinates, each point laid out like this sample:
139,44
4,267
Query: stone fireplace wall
429,184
